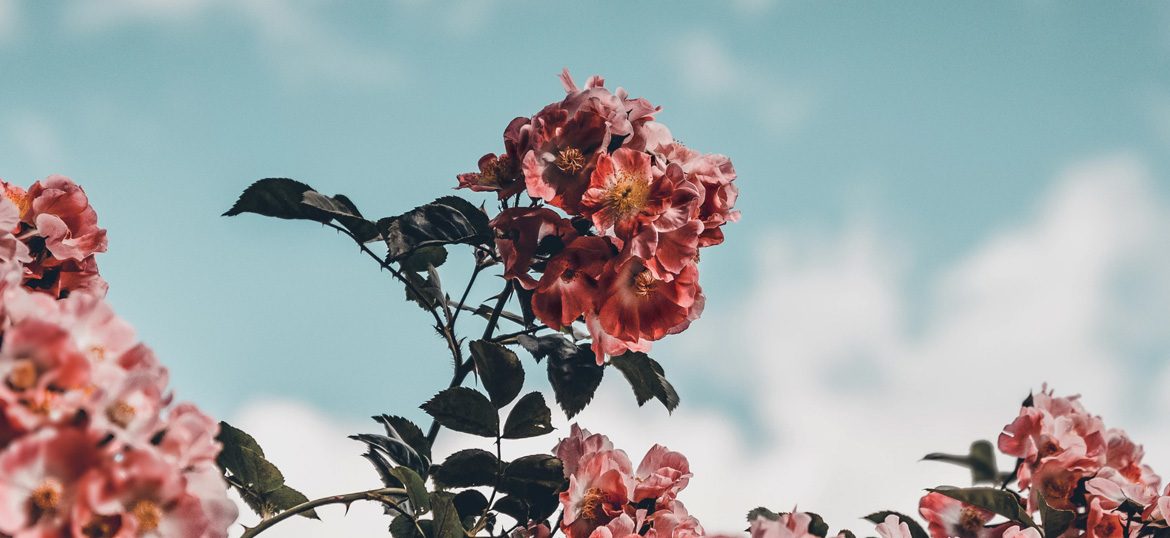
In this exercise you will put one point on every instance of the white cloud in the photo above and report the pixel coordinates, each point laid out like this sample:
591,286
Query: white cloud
293,36
849,394
9,19
710,71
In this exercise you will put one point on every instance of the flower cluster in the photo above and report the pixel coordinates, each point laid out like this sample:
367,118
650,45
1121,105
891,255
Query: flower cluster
608,498
637,207
89,443
1067,460
800,525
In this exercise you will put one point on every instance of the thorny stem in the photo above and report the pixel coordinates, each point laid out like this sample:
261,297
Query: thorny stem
465,367
379,495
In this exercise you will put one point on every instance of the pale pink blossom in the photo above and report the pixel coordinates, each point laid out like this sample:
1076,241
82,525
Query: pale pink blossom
39,476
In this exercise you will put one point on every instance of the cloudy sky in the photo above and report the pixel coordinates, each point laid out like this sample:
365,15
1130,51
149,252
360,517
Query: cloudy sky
944,207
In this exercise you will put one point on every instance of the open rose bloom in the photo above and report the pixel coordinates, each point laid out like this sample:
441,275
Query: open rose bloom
619,212
89,443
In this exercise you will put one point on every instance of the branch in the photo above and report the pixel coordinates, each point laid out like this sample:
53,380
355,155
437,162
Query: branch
378,495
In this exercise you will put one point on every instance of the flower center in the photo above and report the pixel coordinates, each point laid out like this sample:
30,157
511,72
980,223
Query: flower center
47,496
645,283
147,514
23,375
568,275
98,352
101,527
593,505
19,197
969,521
570,160
121,413
627,194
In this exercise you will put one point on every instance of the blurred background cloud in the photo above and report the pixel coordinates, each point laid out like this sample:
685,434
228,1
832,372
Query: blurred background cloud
944,207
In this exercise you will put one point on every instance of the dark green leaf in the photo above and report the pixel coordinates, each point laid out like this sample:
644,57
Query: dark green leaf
513,507
277,197
416,489
846,533
449,219
1055,521
270,503
397,449
533,475
468,468
464,410
341,209
916,530
470,504
980,460
406,431
529,418
403,527
382,466
499,369
244,459
762,512
575,376
445,516
647,378
817,526
425,257
430,293
998,501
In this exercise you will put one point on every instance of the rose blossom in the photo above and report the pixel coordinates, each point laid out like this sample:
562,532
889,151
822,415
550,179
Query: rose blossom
38,480
951,518
636,305
568,286
598,491
790,525
522,232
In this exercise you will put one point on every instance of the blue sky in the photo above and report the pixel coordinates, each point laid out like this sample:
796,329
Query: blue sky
899,162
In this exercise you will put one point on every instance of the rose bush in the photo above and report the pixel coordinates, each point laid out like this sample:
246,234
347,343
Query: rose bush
599,220
90,444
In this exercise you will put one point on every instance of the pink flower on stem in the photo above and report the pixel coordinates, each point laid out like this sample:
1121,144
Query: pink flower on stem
39,475
661,475
577,445
141,495
951,518
598,492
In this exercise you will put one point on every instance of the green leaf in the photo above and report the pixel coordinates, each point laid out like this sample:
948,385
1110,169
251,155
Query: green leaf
270,503
817,526
277,197
529,418
762,512
447,220
470,504
916,530
499,369
533,475
846,533
464,410
998,501
468,468
260,484
1055,521
423,258
513,507
244,459
573,371
341,209
446,521
980,460
416,489
647,378
403,527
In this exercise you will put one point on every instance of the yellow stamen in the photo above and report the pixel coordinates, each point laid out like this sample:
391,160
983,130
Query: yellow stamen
121,413
570,160
48,495
23,375
626,195
147,514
